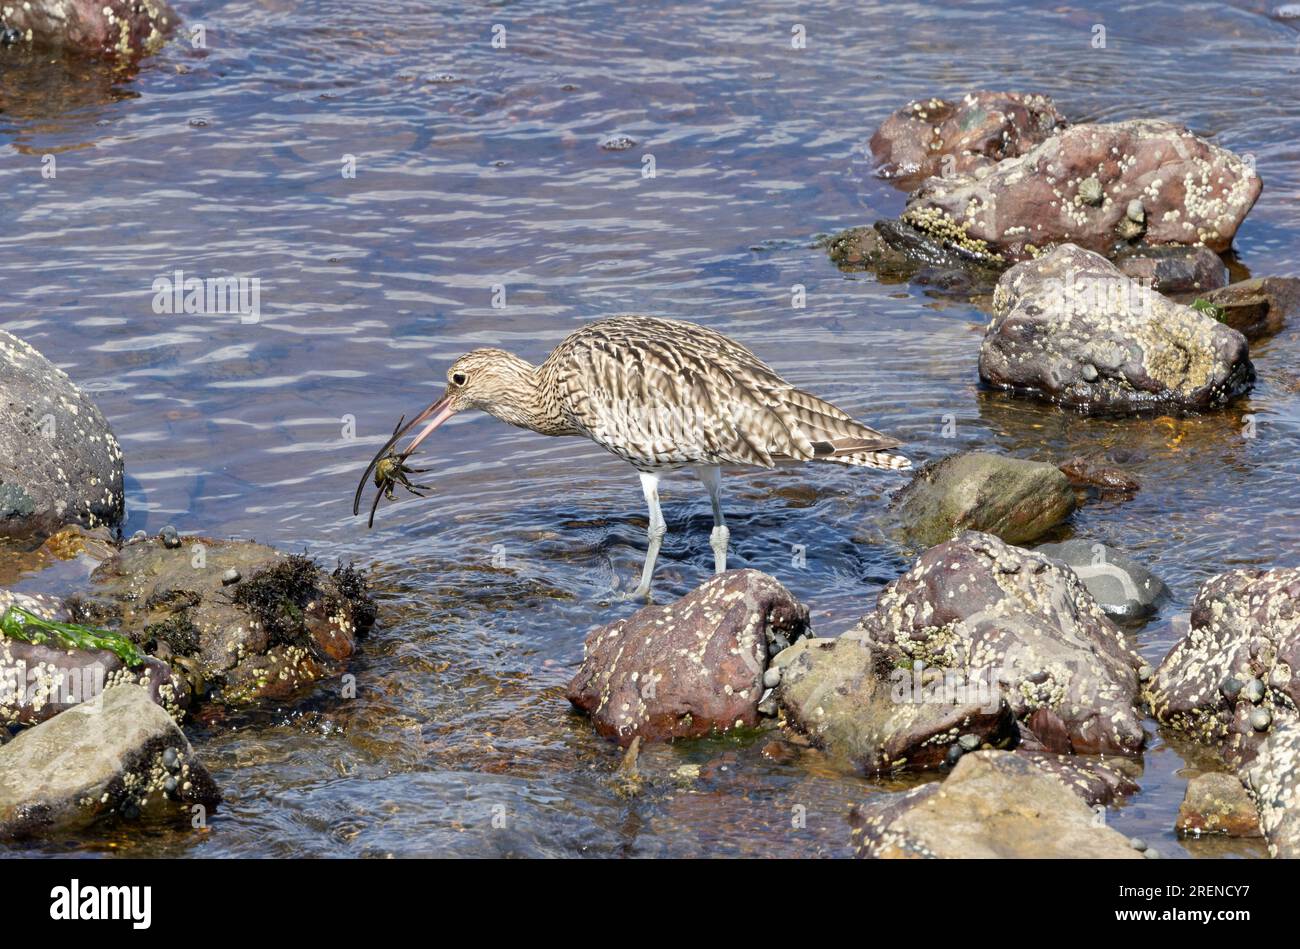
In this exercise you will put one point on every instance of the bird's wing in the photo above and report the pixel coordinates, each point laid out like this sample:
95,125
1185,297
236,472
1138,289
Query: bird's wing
832,431
658,391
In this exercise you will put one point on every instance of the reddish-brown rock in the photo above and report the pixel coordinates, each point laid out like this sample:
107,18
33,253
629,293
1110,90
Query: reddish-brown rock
114,29
691,667
1258,307
940,136
1236,674
1097,186
1025,623
1217,803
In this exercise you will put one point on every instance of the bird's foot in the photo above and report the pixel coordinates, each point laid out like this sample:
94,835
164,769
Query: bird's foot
718,540
640,593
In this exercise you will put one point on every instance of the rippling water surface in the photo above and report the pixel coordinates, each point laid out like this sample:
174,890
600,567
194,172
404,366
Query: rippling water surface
479,167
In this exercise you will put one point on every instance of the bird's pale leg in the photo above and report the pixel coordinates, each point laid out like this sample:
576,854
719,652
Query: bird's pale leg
711,475
655,532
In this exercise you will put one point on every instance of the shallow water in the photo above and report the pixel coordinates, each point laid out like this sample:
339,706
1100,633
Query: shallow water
479,167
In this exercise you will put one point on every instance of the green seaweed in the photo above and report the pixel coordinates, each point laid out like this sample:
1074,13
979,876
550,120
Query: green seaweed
1212,310
26,626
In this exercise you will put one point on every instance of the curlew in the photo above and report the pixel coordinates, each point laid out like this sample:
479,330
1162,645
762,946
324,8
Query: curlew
660,394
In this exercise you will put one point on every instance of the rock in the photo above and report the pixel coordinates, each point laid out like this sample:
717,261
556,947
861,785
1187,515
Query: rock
69,555
1087,471
1274,780
691,667
990,612
994,804
1259,307
1192,192
1216,803
1015,499
38,682
1122,587
1070,328
1173,268
112,29
937,136
1245,625
59,461
286,624
101,758
894,251
866,248
1094,779
852,701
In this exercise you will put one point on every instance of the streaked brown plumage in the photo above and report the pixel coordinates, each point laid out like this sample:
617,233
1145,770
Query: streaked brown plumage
660,394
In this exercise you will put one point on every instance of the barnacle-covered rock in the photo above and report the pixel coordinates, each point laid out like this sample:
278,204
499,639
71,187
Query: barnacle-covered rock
59,461
119,754
112,29
939,136
1274,780
877,715
1078,186
40,680
994,804
1217,803
1096,779
1240,656
986,611
284,624
1071,329
691,667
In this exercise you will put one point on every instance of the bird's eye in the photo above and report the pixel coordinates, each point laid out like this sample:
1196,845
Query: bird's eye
458,378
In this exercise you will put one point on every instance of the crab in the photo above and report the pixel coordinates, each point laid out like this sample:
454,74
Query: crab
391,470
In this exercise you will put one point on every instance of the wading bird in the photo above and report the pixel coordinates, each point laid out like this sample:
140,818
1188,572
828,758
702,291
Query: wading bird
660,394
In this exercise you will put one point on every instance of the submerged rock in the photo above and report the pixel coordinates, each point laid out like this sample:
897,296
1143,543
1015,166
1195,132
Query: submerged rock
285,624
691,667
894,251
852,700
1173,268
1079,187
119,755
1122,587
112,29
1274,780
59,461
1217,803
1015,499
1071,329
1241,655
939,136
992,613
1090,471
994,804
1259,307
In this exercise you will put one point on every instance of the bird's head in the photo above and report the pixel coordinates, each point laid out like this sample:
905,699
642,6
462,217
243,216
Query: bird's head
492,380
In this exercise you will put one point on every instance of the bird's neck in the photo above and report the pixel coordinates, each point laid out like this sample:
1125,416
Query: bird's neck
536,405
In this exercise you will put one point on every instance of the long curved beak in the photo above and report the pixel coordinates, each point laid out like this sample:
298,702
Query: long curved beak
433,416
